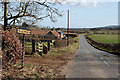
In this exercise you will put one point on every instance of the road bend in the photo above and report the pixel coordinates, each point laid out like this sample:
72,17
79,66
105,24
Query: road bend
92,63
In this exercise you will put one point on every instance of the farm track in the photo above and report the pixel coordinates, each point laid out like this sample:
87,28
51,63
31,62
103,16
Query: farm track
89,62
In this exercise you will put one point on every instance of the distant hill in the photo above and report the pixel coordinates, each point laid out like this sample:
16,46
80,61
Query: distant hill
110,27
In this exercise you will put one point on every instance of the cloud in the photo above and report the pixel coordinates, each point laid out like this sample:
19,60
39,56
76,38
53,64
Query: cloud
92,0
88,3
65,1
77,3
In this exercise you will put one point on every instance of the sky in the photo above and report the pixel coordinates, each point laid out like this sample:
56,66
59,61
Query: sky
86,15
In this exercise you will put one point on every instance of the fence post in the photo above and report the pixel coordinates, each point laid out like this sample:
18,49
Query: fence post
33,46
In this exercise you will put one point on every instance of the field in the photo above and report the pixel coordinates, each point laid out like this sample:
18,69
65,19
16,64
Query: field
28,47
105,38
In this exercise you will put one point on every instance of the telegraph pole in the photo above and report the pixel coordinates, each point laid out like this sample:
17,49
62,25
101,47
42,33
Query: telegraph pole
68,29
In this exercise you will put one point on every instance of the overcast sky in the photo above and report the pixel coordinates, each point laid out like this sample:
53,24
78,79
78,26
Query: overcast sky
86,15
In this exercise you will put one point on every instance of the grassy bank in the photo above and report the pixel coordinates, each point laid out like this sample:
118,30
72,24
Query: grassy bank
68,49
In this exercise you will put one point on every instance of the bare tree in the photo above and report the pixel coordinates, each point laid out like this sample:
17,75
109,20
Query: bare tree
30,12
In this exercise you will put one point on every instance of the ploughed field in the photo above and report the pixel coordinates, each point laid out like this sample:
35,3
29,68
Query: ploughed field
105,38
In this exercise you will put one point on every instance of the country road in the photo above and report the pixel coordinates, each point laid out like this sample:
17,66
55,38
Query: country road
92,63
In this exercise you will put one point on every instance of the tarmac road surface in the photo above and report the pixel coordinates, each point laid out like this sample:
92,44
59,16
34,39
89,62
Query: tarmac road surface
92,63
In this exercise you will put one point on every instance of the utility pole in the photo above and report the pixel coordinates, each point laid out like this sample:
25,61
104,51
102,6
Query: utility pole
5,14
68,30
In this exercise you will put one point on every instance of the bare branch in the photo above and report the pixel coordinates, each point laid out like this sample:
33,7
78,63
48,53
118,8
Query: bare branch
33,11
25,8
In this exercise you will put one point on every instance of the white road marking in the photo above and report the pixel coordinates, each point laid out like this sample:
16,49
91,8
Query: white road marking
101,58
105,61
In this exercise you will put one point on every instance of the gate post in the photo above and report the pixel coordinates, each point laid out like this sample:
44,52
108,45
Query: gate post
48,45
33,46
